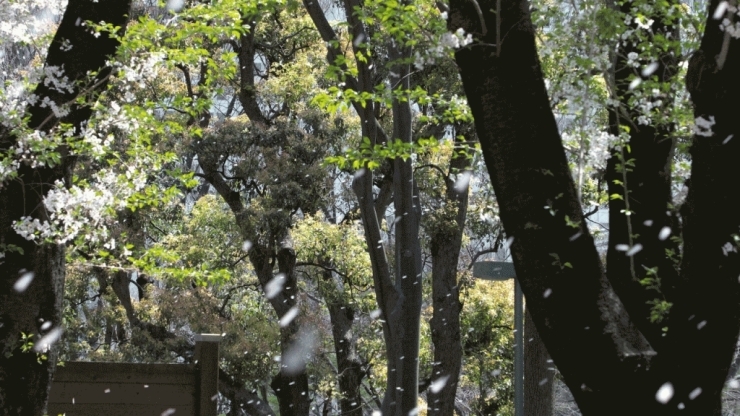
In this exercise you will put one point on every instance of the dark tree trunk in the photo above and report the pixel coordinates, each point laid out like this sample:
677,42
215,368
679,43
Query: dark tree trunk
641,175
538,372
445,247
291,383
25,382
349,366
606,362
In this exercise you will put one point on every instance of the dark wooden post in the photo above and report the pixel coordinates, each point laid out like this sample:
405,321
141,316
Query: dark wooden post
206,359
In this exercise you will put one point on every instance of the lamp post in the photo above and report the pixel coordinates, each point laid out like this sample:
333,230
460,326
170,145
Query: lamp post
500,270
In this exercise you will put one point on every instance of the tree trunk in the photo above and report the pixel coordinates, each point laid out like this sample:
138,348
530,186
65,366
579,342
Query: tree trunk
607,363
445,247
641,174
538,372
24,379
290,384
349,367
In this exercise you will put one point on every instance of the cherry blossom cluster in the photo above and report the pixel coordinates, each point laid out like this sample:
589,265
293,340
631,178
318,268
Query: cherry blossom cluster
442,45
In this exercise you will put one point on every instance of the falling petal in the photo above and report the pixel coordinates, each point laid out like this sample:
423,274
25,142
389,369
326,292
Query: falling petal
665,393
649,69
288,317
727,139
360,173
547,293
295,358
359,39
664,233
275,286
701,324
695,393
168,412
375,314
621,247
414,411
438,384
635,83
175,5
247,245
46,325
462,182
48,340
634,250
720,10
22,284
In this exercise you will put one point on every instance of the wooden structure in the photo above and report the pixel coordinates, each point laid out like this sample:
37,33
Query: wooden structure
118,389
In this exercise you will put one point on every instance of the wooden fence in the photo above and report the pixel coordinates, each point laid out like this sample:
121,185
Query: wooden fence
118,389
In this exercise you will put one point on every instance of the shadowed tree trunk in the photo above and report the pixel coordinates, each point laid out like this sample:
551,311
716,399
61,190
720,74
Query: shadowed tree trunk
606,361
25,382
349,366
445,247
538,375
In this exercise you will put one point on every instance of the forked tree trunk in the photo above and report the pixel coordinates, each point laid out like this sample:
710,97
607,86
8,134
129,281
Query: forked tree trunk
24,378
607,363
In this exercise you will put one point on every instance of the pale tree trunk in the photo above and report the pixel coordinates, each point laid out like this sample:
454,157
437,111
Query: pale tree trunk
25,382
398,291
605,359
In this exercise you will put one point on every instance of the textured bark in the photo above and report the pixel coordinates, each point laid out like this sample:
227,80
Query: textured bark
24,382
605,360
406,315
445,247
580,319
644,169
538,372
290,387
398,292
349,366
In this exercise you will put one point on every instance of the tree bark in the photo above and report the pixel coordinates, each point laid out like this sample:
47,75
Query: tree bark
640,174
538,372
349,366
576,312
445,247
607,363
25,382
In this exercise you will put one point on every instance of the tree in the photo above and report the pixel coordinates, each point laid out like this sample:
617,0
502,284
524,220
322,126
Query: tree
33,275
597,324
